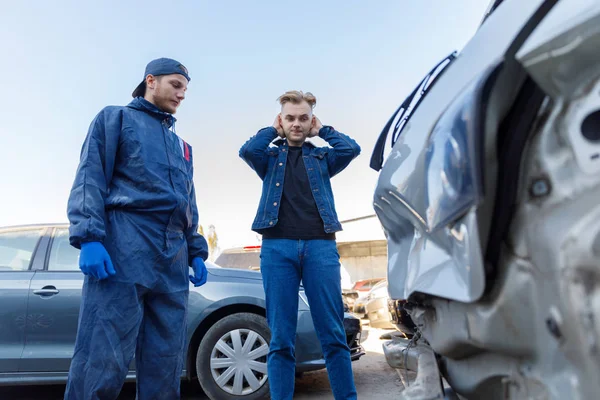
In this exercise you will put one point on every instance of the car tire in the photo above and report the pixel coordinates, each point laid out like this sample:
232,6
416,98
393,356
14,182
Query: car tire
219,374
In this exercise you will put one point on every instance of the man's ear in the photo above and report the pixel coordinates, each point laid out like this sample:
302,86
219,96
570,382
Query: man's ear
150,81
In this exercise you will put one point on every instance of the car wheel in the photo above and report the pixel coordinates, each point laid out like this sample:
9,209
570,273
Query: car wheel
232,358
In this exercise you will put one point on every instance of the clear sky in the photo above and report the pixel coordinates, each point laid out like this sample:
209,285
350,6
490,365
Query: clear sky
63,61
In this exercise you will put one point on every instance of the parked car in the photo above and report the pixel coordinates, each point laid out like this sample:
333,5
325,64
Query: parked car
40,291
248,257
359,306
366,285
489,202
376,307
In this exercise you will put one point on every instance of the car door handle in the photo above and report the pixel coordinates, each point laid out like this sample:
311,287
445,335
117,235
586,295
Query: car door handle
46,291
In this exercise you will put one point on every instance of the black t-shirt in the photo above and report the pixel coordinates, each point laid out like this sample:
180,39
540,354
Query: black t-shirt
298,217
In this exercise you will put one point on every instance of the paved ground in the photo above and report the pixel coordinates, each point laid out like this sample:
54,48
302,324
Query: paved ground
374,378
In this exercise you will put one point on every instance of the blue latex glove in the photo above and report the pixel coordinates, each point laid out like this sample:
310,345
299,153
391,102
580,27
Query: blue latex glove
95,261
200,272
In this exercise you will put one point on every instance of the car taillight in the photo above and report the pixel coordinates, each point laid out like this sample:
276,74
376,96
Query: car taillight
250,248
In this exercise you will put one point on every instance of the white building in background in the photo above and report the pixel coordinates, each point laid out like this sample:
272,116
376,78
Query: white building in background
363,248
361,244
361,229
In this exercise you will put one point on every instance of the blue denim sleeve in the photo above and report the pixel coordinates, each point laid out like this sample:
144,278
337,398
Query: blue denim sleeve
85,207
253,152
344,149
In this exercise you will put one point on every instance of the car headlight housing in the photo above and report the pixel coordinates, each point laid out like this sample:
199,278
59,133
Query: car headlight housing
452,171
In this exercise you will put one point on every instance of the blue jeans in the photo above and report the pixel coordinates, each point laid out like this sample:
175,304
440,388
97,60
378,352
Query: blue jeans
284,263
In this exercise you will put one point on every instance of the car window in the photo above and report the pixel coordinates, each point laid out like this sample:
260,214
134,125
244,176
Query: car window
245,260
17,247
63,256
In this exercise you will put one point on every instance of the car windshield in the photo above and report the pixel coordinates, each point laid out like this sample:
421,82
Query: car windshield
399,119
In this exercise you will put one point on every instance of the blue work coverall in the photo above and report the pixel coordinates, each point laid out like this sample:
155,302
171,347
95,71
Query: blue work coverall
134,193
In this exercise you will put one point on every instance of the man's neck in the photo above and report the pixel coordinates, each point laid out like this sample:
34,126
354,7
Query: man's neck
151,101
295,144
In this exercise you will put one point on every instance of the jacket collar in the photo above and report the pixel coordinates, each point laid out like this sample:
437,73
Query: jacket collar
280,142
141,104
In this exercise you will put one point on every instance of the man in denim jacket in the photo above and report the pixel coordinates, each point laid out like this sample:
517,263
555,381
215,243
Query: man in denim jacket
297,219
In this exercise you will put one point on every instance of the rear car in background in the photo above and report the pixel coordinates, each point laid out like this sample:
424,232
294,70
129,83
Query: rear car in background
365,285
227,339
359,307
376,307
248,258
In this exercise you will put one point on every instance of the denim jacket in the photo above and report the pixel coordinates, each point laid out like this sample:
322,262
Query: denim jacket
268,159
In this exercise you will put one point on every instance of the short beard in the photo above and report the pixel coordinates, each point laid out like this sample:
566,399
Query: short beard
294,141
163,105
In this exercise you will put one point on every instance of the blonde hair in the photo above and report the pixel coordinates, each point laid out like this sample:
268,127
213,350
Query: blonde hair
297,97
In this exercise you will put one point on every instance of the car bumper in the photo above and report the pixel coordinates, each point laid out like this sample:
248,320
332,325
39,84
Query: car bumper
377,312
354,333
308,345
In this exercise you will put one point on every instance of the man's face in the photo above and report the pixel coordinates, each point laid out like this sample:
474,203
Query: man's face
296,120
167,91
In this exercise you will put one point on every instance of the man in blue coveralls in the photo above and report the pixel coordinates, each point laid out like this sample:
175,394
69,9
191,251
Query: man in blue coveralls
297,219
133,214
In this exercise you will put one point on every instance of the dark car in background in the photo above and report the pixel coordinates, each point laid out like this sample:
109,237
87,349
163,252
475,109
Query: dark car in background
40,293
400,318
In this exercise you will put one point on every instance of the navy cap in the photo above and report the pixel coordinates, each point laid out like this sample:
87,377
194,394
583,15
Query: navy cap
160,66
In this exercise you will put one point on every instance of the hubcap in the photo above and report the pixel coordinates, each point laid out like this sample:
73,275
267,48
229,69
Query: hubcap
238,362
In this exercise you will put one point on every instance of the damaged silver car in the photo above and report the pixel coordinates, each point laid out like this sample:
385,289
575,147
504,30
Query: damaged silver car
489,201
